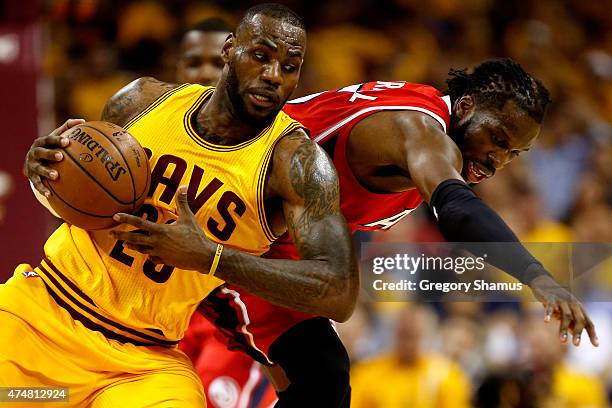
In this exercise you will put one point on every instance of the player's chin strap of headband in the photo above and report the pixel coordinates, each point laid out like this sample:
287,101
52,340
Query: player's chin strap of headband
464,217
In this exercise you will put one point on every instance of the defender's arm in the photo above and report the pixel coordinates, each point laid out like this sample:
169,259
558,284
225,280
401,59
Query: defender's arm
434,164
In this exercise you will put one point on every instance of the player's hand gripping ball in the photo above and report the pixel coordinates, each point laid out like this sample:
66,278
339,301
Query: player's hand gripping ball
104,171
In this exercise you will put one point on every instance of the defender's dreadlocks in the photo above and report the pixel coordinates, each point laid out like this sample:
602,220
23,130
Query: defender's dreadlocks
497,81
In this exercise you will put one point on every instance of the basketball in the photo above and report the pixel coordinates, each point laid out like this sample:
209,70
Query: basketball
104,171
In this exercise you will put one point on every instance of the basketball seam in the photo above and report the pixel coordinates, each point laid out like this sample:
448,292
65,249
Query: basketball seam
124,160
147,184
94,179
74,208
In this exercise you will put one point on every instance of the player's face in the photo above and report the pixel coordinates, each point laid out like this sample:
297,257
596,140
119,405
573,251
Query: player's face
490,138
263,63
200,59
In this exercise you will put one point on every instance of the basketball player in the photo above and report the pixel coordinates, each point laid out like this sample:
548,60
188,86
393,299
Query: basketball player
395,145
100,318
199,60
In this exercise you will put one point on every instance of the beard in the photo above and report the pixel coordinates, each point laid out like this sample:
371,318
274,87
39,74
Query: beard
239,106
457,131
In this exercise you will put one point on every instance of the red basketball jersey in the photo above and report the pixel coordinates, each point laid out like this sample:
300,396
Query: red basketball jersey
332,114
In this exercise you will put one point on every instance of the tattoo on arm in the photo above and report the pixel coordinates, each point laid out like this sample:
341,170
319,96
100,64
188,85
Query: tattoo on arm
325,281
117,108
307,174
133,99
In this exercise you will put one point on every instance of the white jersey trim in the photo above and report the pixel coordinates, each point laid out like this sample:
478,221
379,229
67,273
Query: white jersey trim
447,100
355,115
247,321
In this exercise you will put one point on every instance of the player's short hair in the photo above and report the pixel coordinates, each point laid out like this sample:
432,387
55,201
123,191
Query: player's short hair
497,81
213,24
275,10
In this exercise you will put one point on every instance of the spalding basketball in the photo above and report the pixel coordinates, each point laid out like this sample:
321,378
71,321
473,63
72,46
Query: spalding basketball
104,171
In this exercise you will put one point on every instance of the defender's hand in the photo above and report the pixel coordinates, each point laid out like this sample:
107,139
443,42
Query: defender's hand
563,306
181,244
43,151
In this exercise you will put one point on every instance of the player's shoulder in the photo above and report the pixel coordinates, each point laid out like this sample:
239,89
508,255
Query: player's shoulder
133,98
297,158
294,141
150,84
144,90
425,104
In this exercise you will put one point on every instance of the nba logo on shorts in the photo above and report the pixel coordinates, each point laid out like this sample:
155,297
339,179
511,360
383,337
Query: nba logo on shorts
29,274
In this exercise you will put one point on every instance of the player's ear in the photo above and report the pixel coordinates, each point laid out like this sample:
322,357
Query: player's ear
227,48
464,107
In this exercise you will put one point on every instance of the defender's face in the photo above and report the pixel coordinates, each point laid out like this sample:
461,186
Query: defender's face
490,137
200,59
264,63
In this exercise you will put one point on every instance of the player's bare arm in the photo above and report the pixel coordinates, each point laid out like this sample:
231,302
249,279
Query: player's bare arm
325,282
120,109
132,99
434,163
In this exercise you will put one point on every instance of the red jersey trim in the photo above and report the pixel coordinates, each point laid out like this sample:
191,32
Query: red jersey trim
355,115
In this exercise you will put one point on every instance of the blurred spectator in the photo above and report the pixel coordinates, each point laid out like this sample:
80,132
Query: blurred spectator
554,383
412,375
89,95
357,333
144,20
461,343
560,158
334,63
500,347
505,389
199,60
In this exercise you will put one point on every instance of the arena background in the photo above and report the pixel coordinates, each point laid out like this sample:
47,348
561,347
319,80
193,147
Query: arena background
64,58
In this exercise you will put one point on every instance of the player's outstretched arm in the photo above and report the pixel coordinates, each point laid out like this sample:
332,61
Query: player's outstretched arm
120,109
434,164
325,282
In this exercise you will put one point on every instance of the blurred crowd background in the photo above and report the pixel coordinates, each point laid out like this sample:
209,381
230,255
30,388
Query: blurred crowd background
410,354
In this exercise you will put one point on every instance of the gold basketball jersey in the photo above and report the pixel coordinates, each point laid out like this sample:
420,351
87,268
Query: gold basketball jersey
117,291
